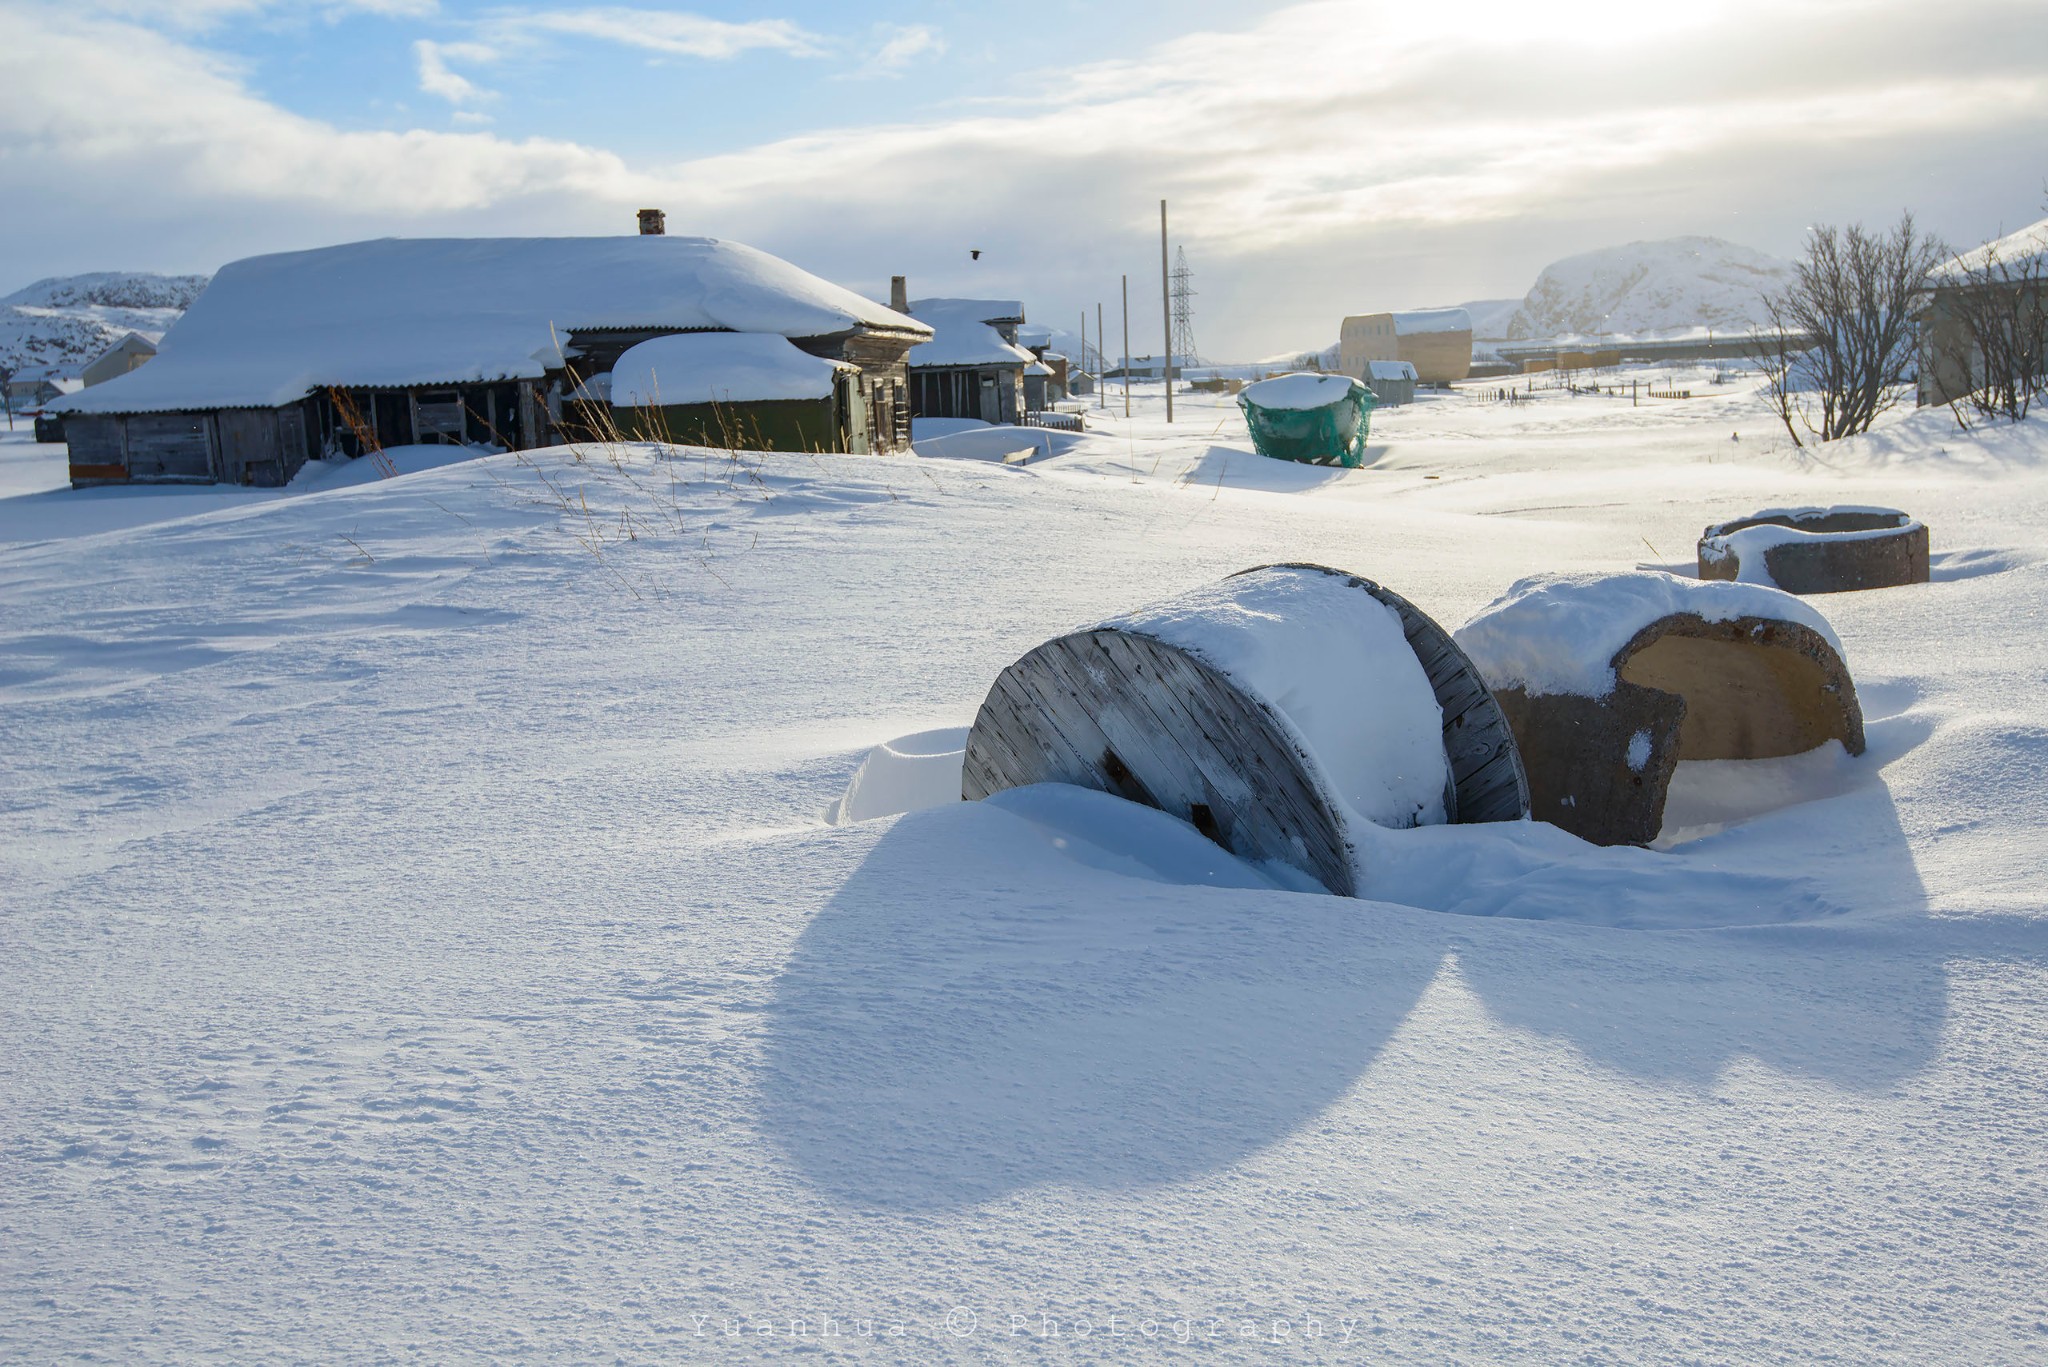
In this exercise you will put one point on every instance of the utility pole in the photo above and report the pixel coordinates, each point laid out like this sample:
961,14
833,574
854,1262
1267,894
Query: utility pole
1166,310
1101,380
1127,346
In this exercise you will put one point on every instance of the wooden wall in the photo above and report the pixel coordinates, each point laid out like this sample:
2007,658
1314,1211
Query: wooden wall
259,446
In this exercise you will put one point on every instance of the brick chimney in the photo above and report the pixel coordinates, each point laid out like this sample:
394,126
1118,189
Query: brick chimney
899,294
653,223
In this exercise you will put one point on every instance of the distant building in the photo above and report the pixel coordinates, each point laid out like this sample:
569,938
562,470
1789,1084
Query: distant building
1437,342
477,340
972,367
2003,284
118,359
31,389
1392,382
1140,368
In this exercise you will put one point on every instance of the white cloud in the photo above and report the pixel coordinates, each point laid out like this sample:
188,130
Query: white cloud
1331,154
195,15
904,45
435,77
187,132
672,34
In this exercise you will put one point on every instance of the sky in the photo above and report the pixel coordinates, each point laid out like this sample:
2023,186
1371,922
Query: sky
1320,159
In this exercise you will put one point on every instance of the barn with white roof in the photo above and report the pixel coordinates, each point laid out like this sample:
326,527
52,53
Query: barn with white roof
481,340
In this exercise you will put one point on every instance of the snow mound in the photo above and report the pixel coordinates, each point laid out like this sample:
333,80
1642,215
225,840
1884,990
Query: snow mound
1645,288
1302,390
719,367
317,476
907,774
922,428
1104,832
1334,663
1006,445
1559,633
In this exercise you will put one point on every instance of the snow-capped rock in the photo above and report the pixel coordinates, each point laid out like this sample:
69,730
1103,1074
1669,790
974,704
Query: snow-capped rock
62,323
1674,286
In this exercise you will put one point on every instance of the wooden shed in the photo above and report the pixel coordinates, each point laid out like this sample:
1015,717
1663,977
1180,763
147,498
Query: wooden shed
972,367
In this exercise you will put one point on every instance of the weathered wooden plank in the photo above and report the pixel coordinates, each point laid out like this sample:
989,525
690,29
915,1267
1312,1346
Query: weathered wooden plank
1240,737
170,447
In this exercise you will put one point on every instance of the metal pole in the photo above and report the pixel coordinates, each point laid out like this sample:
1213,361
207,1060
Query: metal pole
1101,380
1127,346
1166,309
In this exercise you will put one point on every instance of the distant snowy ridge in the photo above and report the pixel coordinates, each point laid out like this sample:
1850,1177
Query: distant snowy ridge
64,322
1672,287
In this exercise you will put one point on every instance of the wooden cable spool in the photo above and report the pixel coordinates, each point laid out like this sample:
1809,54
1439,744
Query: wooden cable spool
1685,689
1126,712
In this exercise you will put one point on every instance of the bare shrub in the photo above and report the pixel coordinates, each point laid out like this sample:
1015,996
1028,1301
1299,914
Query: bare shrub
1842,338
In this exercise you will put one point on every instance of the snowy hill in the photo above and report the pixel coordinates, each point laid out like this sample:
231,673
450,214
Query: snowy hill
65,321
1677,285
1491,317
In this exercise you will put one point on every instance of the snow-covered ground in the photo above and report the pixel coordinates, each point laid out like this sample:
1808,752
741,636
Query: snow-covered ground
430,928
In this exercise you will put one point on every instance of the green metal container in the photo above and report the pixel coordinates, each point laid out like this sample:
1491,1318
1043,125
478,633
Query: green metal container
1332,431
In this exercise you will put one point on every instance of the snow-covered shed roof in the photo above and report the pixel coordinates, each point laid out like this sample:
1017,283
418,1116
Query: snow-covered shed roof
412,311
2022,252
1416,321
719,367
964,333
1390,370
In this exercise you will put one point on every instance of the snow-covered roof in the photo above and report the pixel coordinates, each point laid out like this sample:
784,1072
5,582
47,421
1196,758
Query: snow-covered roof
1432,320
2024,251
129,342
398,312
963,335
1390,370
719,367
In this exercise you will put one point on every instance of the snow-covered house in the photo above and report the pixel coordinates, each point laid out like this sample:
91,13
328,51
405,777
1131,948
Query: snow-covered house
1437,342
972,367
401,341
118,359
1999,287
